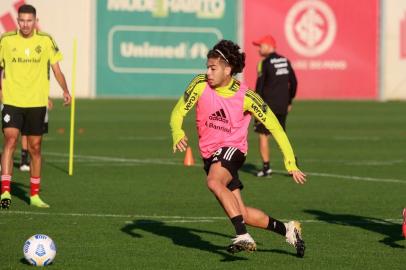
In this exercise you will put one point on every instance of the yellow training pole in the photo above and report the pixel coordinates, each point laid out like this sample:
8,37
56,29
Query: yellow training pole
72,111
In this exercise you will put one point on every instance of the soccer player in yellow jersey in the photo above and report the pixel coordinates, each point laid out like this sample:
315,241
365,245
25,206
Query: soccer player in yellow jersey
223,111
26,56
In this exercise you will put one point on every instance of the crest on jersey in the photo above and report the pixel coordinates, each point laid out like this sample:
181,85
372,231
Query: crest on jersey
38,49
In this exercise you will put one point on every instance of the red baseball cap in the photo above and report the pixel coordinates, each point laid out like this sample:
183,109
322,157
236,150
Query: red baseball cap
268,39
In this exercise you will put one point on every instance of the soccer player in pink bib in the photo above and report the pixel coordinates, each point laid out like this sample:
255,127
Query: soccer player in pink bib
224,107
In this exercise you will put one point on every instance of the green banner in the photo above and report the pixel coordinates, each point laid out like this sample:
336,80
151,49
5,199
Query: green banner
153,48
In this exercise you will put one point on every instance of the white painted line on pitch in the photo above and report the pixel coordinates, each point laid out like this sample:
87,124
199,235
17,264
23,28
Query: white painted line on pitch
352,177
353,138
139,138
358,178
124,160
107,215
185,219
179,163
358,162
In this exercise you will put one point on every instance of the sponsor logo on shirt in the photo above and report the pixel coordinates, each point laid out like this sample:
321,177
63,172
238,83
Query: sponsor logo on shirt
219,116
26,60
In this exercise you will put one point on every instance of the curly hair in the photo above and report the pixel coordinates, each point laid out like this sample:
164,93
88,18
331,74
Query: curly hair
230,53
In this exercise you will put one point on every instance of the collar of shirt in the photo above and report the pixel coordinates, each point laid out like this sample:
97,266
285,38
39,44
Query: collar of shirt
225,91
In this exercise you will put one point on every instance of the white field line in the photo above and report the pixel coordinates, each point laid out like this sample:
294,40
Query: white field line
353,138
179,163
122,138
90,158
359,162
352,177
182,219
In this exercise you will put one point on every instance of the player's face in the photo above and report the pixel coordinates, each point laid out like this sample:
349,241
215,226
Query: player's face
265,49
26,22
218,73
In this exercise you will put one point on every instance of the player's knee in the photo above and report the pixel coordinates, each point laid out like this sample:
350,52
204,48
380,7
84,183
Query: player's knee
11,143
213,184
35,149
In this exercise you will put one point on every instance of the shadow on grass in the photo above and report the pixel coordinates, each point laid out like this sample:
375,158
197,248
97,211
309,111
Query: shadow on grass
181,236
57,167
24,261
20,191
391,231
279,251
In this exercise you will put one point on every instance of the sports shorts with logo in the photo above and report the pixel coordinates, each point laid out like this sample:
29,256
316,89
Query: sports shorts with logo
30,121
232,159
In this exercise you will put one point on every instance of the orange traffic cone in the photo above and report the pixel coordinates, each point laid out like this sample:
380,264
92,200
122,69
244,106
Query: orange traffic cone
189,160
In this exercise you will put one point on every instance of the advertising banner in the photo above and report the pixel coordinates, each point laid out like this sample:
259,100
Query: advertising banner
394,50
155,47
332,45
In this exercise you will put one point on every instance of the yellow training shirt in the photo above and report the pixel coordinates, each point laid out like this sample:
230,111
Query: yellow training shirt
253,103
26,66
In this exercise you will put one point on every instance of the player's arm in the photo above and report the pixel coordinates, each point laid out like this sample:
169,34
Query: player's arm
54,57
1,68
60,78
1,89
182,107
292,84
260,110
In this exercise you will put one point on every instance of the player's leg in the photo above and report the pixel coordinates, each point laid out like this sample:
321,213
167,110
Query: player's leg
263,144
404,222
34,128
264,152
12,119
9,146
217,181
34,148
257,218
24,163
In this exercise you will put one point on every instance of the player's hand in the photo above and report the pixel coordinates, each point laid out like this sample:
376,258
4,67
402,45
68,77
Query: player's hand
66,98
298,176
50,104
289,107
181,145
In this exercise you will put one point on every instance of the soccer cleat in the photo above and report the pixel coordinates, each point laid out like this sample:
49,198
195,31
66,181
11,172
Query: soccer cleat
263,172
294,237
36,201
5,200
242,242
25,168
404,223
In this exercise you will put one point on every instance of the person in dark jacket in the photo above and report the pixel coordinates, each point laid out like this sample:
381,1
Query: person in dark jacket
276,84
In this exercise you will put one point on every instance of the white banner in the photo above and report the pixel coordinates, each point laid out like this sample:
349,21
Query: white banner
393,72
64,20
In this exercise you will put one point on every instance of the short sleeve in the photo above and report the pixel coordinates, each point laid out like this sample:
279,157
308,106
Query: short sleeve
55,54
1,52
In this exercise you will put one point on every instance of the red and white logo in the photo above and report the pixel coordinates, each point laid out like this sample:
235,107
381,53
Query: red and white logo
310,27
7,18
403,37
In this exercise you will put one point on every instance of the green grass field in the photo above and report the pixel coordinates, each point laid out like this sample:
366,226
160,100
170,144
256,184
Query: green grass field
131,204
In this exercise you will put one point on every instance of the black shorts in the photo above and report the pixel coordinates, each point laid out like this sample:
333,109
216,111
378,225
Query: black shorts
30,121
232,159
261,129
